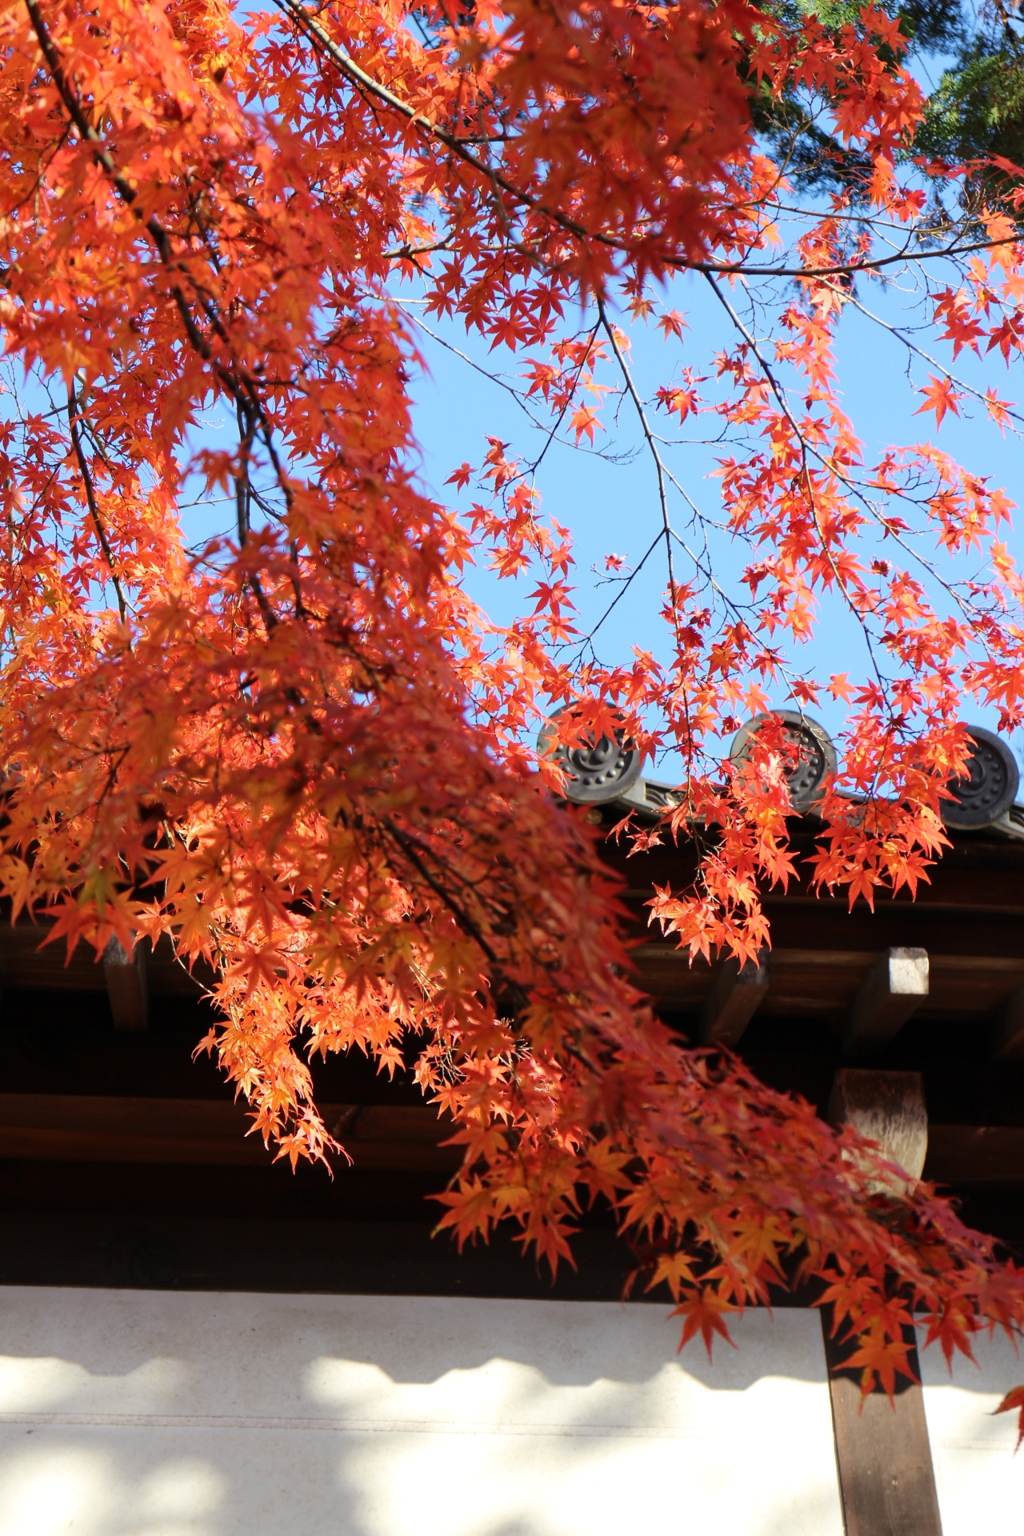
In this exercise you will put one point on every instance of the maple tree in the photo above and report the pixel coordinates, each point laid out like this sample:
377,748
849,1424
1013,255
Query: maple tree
302,751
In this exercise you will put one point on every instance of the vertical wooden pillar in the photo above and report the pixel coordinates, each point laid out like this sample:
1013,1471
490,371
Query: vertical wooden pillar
884,1456
886,1478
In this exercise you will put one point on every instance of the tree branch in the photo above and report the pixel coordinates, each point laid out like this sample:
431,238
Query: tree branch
365,82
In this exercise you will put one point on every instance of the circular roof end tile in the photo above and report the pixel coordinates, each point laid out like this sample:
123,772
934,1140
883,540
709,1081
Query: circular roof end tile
989,787
816,753
595,771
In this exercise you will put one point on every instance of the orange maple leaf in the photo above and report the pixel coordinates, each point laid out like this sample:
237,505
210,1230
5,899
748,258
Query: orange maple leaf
704,1311
1012,1400
584,422
940,397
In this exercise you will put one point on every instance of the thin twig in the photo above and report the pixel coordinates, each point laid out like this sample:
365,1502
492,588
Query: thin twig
90,496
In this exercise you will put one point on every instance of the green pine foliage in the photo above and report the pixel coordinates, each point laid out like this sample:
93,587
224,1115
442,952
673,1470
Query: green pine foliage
977,109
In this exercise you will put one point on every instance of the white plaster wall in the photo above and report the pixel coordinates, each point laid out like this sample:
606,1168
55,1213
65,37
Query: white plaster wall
980,1480
142,1413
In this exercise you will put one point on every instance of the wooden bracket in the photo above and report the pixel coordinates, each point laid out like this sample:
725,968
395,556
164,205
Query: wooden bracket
887,1106
734,997
126,985
895,988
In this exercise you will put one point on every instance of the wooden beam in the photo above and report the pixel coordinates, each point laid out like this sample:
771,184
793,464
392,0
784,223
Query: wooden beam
93,1128
127,990
976,1156
887,1106
45,1127
883,1454
735,994
179,1249
1006,1042
895,988
28,963
822,983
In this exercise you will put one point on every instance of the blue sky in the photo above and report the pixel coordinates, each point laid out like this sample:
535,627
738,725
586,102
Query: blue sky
613,507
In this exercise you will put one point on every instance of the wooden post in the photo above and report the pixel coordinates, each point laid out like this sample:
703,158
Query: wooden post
886,1480
126,986
895,988
884,1457
734,997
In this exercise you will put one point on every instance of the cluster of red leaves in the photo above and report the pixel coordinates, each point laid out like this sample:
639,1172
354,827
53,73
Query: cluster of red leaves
297,749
